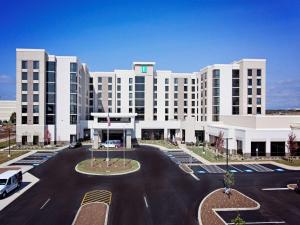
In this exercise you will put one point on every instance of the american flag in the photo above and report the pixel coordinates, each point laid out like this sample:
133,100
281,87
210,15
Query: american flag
108,120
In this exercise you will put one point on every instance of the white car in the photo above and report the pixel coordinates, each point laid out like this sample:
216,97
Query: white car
111,144
9,181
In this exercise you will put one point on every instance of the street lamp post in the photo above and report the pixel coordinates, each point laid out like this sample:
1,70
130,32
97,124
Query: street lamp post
227,153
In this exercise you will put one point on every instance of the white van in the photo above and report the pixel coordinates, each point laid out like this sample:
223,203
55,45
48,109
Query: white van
111,144
9,181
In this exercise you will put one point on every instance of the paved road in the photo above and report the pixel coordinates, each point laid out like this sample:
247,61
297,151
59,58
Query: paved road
160,193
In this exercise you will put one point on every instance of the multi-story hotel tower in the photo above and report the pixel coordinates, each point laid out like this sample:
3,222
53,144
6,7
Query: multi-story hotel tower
59,100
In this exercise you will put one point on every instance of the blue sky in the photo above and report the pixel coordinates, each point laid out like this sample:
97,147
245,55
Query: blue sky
182,36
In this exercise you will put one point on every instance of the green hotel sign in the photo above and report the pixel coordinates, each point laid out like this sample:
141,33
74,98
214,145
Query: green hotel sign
144,69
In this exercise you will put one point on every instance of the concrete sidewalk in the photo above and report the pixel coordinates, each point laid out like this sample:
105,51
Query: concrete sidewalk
28,180
186,150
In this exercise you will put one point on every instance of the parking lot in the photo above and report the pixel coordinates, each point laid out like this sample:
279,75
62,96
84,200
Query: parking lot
36,158
179,157
237,168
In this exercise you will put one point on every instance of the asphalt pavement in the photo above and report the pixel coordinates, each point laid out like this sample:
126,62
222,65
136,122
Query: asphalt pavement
159,193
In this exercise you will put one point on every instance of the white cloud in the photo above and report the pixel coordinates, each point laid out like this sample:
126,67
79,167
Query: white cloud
5,79
283,94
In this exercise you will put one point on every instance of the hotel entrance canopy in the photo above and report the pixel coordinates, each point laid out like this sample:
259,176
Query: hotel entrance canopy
117,120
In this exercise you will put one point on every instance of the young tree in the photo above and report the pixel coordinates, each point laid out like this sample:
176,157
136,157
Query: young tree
47,136
228,182
238,220
219,143
292,144
8,129
12,118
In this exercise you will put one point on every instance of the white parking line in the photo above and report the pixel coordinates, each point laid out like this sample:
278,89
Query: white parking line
45,204
146,203
275,189
193,175
236,168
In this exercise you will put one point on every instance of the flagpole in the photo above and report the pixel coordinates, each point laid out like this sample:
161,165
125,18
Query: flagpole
108,124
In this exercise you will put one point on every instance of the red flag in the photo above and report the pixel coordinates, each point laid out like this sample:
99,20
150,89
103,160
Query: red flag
108,120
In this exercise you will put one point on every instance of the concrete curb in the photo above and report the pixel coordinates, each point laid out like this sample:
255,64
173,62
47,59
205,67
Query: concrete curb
26,177
112,174
106,215
215,210
186,170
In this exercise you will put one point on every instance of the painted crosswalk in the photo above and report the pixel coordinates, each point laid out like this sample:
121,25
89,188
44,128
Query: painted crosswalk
212,168
180,157
97,196
36,158
258,168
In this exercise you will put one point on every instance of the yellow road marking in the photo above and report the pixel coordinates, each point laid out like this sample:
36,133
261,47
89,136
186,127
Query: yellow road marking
97,196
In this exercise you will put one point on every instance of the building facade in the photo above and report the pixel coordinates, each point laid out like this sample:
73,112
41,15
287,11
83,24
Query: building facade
59,100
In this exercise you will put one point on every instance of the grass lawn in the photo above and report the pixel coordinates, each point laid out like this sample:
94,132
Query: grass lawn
4,144
285,162
115,165
207,154
13,154
162,143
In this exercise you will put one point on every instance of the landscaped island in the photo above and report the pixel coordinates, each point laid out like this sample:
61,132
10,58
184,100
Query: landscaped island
115,166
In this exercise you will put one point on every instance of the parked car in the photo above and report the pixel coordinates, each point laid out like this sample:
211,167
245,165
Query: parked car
297,188
111,144
9,181
75,144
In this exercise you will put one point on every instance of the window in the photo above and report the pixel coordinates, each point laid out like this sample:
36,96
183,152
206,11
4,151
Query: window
35,87
249,72
73,109
216,74
24,75
35,109
155,81
166,88
50,119
130,110
166,81
73,88
130,80
50,77
50,98
51,87
175,117
35,98
73,67
166,118
175,110
235,92
109,95
99,87
118,110
249,111
119,80
185,110
73,119
36,65
258,101
130,95
24,65
154,110
185,81
235,74
175,103
110,80
249,82
166,95
259,72
193,81
118,95
235,110
258,91
73,77
51,66
109,87
175,80
109,102
99,79
185,103
35,120
118,88
176,88
235,101
35,75
24,119
24,86
258,82
24,98
144,69
166,110
235,82
118,103
24,108
185,88
175,95
258,110
166,103
249,91
249,101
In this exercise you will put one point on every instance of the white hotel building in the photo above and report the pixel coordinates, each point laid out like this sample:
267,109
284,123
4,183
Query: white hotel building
60,100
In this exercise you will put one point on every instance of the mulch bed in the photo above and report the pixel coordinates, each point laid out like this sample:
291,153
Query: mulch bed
220,200
2,170
92,214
